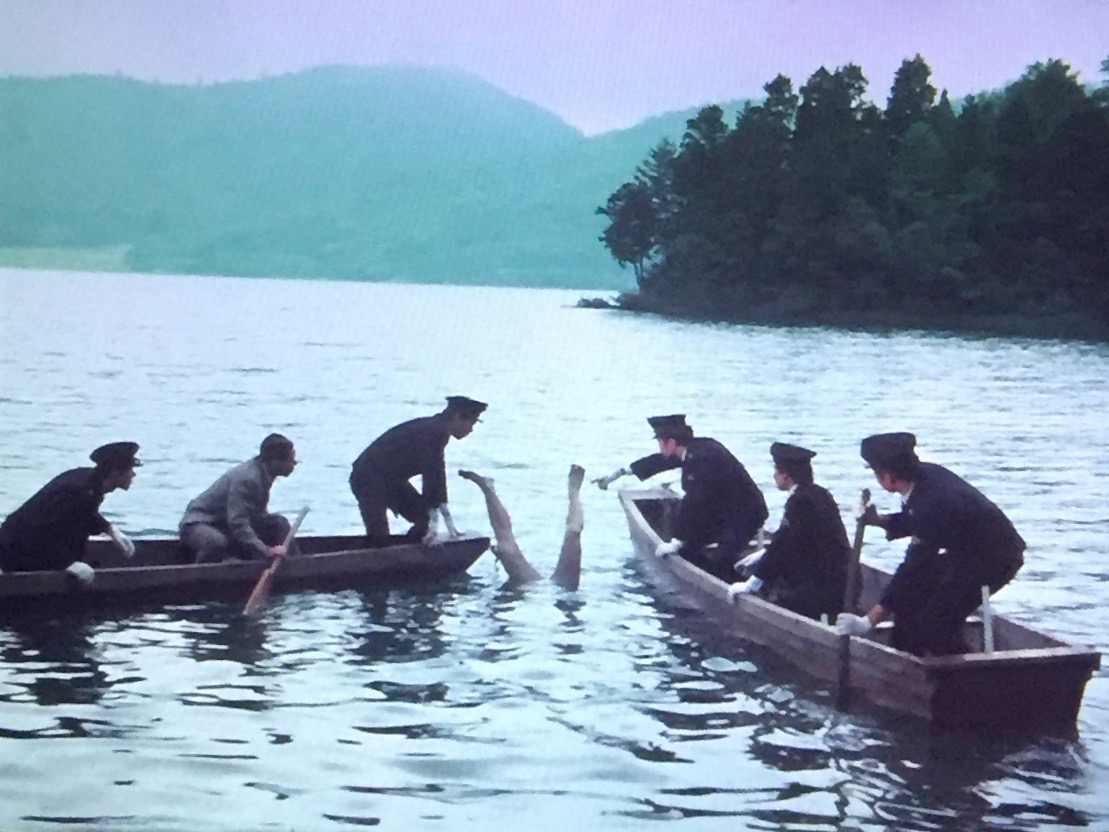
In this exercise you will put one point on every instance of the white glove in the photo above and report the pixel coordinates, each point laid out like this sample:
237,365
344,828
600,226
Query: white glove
748,563
748,587
431,536
853,625
81,571
668,548
122,541
604,482
452,529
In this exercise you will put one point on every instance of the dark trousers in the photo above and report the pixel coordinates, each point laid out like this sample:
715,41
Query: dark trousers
810,599
929,619
719,560
377,495
209,544
15,558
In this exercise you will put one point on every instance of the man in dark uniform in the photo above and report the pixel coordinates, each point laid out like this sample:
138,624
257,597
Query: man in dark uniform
722,508
231,519
804,568
380,476
960,542
50,530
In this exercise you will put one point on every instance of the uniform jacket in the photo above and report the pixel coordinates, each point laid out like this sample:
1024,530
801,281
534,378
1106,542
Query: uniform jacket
233,502
810,546
50,530
415,447
719,493
946,513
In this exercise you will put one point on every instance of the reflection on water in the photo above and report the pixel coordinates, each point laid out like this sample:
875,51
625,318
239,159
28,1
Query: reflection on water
398,626
473,702
61,655
652,716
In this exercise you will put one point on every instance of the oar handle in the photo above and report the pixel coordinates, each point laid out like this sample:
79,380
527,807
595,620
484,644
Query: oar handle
856,552
295,527
843,684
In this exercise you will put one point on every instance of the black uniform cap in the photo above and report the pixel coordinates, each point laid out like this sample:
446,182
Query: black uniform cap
668,427
784,452
882,449
116,455
465,406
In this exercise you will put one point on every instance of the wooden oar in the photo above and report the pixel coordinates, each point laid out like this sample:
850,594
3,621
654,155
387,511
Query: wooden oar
843,687
261,591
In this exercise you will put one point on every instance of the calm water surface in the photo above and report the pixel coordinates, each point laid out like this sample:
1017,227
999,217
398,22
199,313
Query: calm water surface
469,703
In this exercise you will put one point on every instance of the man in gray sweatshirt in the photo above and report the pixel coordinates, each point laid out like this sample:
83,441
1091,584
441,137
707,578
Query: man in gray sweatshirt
231,518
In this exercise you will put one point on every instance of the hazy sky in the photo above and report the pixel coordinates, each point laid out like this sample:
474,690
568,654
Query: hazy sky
600,64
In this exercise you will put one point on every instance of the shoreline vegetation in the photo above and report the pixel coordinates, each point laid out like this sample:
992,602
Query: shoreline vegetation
988,215
1064,327
92,259
818,208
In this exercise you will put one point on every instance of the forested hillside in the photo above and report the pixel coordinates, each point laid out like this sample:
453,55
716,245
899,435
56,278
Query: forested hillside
808,207
818,206
387,173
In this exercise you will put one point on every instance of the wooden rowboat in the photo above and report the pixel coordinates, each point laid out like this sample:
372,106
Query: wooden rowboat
157,574
1030,681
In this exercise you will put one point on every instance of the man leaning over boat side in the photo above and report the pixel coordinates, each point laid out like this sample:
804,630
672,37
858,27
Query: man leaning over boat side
380,476
960,542
722,508
231,518
804,567
50,530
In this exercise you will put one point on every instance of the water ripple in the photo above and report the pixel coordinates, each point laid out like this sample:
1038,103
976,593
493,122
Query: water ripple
472,703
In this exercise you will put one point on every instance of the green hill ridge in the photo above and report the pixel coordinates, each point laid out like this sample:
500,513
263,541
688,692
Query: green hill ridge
389,173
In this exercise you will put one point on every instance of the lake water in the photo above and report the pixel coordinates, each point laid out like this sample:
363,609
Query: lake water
469,705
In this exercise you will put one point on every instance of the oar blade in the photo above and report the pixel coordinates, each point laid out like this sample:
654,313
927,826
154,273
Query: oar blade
261,592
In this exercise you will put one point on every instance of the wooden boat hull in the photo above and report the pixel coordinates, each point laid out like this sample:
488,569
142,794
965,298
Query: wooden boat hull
1030,681
156,573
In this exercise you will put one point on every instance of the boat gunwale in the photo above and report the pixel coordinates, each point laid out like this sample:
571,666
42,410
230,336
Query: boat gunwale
931,666
120,579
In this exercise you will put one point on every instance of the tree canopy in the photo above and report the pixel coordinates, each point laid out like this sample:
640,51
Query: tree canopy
820,207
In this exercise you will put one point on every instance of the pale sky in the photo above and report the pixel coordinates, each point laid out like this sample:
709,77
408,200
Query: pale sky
599,64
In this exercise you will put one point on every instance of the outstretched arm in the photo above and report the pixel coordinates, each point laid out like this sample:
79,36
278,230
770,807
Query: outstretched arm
505,548
604,482
567,572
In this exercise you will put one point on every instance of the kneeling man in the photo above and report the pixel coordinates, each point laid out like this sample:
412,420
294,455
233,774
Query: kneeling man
231,518
959,542
379,478
50,530
722,508
804,568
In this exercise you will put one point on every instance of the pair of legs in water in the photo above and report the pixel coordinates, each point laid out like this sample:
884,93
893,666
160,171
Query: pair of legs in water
567,572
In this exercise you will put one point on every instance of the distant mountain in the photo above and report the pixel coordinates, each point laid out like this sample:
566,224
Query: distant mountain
390,173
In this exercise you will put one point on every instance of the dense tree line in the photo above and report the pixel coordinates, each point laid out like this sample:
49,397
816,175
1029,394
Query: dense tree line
818,206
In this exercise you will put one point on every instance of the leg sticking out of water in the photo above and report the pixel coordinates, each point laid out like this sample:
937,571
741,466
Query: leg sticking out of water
505,548
568,571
